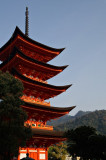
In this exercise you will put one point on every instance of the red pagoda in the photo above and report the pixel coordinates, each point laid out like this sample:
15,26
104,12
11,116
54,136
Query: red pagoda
27,60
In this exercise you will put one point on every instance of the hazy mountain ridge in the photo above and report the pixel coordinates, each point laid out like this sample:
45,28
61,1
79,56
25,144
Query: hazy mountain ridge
66,118
96,119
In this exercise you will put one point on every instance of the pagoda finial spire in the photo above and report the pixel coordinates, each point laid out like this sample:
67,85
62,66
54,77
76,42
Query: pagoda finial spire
26,22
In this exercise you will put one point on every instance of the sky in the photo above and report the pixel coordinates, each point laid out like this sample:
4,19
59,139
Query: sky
77,25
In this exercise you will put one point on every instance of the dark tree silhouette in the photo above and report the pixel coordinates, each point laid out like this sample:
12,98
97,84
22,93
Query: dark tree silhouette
85,143
13,133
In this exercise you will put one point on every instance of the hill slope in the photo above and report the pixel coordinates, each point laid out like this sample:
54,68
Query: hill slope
95,119
66,118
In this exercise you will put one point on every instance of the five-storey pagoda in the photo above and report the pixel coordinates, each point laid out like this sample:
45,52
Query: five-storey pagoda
27,60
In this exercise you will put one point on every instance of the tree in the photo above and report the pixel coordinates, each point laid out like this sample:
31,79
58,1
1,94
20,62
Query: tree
57,152
85,143
97,144
13,133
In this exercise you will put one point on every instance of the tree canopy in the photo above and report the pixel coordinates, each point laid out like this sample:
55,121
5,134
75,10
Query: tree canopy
13,133
57,152
84,142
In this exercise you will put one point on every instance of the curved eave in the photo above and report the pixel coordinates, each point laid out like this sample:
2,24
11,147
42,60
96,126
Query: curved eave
30,60
45,137
45,113
49,108
49,133
33,82
19,32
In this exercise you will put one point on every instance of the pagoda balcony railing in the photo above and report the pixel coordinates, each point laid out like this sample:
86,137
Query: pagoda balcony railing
35,78
34,100
45,127
39,126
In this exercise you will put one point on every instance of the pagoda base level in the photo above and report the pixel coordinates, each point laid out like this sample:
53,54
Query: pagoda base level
35,153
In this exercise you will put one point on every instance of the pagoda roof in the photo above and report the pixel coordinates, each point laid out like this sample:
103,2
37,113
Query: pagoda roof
48,133
45,113
33,82
34,87
25,60
45,138
21,36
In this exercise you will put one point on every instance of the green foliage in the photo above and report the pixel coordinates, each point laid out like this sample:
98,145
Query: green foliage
10,86
86,143
13,133
57,152
97,145
95,119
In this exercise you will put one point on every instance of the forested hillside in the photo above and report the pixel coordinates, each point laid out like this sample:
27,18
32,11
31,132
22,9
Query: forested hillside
66,118
95,119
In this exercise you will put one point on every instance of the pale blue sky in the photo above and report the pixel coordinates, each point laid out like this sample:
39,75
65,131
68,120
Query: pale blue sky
78,25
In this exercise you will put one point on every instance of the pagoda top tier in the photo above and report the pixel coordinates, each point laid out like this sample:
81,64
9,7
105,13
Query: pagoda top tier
29,47
29,66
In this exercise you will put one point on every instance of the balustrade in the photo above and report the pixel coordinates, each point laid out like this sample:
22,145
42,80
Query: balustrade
38,125
32,99
35,78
